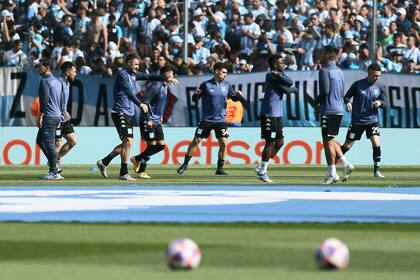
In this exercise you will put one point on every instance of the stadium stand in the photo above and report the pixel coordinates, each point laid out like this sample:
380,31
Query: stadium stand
97,34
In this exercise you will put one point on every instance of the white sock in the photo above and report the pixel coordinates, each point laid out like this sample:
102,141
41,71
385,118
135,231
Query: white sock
331,170
264,165
345,162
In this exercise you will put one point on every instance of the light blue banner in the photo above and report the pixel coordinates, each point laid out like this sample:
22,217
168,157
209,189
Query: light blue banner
91,99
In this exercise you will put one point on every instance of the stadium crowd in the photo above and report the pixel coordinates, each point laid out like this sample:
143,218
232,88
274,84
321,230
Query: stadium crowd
95,34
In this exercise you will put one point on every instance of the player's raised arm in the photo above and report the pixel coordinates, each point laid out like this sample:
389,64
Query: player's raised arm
276,83
149,77
282,79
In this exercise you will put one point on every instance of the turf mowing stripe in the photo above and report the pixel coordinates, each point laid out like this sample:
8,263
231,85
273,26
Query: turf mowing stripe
210,204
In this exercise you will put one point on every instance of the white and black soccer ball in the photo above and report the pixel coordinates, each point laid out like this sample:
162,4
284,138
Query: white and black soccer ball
332,254
183,253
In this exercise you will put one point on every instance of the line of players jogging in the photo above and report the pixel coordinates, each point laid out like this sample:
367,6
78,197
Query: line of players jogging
363,100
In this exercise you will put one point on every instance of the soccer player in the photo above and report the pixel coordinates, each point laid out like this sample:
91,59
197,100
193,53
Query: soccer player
276,84
330,99
124,93
51,100
65,130
214,94
363,99
151,122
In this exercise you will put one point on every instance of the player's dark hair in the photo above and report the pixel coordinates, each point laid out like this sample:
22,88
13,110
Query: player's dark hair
130,57
219,65
166,69
67,66
374,67
44,62
330,51
272,60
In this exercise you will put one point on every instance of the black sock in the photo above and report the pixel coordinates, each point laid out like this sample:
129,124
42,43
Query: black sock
376,158
145,159
146,153
138,158
187,159
220,163
106,160
158,148
344,149
142,167
123,169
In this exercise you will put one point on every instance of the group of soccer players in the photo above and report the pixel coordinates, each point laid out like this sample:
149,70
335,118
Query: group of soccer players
53,120
362,99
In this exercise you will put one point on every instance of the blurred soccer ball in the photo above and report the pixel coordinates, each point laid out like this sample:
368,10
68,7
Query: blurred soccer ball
183,253
332,254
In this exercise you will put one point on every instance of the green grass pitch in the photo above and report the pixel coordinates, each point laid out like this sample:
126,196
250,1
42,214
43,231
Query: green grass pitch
240,251
79,175
73,251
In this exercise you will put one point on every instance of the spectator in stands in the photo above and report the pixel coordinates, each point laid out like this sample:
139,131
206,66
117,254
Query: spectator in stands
97,35
394,64
201,53
306,48
33,6
244,66
257,9
199,23
412,53
45,28
81,66
238,5
284,33
250,32
386,39
130,22
323,13
363,57
219,41
393,28
330,38
101,69
114,30
150,23
82,22
15,56
387,16
314,26
403,23
411,67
